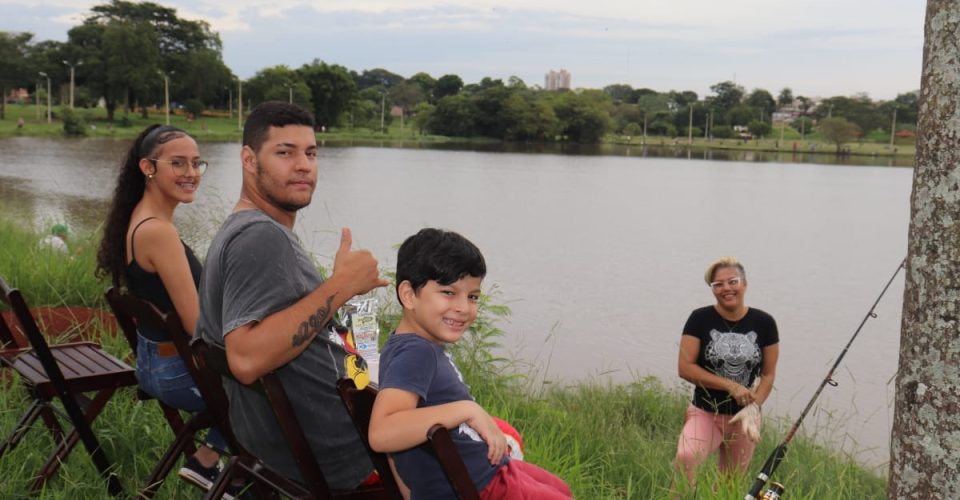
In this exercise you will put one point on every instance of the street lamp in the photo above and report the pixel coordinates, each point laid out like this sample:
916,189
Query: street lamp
230,100
239,104
72,68
49,105
290,93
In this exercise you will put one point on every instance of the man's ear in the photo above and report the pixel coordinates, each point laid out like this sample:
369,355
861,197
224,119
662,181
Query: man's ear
249,159
408,296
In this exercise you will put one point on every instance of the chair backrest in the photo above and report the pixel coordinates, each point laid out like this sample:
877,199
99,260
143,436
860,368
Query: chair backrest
124,318
212,362
13,298
359,403
132,311
7,340
442,445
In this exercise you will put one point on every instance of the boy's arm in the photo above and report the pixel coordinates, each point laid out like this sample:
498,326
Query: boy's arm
396,424
257,348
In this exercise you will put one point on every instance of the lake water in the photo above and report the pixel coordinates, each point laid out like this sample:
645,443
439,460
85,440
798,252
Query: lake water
600,257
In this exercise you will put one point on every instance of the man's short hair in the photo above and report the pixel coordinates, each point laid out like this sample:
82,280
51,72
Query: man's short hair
438,255
273,114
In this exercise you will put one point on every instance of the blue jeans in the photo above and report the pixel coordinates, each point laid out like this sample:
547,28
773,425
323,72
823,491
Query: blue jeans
169,380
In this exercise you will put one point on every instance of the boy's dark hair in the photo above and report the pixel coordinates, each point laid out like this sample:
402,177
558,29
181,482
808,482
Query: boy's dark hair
438,255
273,114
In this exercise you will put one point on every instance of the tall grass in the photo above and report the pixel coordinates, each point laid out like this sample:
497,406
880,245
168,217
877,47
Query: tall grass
608,441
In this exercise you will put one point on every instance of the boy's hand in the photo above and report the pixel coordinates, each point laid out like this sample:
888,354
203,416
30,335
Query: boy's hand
357,267
491,434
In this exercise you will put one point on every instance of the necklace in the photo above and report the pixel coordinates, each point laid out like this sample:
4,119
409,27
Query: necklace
730,326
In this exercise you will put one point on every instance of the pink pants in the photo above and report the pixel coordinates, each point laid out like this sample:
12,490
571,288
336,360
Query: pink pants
517,480
703,433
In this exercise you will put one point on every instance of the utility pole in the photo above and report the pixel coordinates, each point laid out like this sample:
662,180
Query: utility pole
72,68
239,104
49,103
690,127
166,96
383,101
893,127
36,99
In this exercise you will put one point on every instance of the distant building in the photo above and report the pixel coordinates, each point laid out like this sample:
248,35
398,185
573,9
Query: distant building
557,80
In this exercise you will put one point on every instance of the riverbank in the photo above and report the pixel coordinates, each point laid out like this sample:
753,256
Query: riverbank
606,440
227,128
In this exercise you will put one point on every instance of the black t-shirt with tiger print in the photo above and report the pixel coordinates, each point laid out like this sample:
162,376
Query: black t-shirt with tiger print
732,350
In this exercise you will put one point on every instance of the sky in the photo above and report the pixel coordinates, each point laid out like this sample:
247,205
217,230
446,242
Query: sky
818,48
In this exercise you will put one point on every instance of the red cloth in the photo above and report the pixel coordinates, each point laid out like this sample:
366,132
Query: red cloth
518,480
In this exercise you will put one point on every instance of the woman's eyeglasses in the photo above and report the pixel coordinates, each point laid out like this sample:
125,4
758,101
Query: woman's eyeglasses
181,166
716,285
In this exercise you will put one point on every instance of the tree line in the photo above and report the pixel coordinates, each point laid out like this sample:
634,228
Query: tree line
124,52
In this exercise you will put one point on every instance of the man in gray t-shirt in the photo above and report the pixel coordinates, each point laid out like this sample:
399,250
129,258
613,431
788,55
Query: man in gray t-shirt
262,299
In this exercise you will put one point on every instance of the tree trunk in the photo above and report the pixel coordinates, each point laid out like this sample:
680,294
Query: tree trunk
925,445
3,103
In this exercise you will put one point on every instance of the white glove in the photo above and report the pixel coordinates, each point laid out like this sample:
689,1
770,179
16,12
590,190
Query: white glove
749,418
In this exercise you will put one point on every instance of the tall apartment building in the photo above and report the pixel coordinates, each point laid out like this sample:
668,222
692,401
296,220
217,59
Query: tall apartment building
556,80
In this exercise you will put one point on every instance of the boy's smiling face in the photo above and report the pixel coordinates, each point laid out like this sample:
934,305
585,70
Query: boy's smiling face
440,313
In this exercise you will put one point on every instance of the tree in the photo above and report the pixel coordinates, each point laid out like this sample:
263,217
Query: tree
726,96
125,47
275,84
447,85
762,101
406,95
13,64
584,116
453,116
785,98
425,82
373,77
839,131
758,128
331,89
924,450
620,92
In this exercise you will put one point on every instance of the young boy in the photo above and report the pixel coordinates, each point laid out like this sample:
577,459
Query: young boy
438,284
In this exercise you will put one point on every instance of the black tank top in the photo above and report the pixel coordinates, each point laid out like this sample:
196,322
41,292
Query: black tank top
149,286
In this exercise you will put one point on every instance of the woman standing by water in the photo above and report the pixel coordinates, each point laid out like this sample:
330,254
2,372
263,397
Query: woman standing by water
142,249
724,349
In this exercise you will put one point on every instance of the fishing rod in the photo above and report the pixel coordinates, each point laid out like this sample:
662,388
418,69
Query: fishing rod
780,451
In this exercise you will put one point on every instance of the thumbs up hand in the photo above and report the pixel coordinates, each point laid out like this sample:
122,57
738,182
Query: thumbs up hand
357,268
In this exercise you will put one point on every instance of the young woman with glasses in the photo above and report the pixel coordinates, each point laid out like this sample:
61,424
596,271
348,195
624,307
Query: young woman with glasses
728,351
142,249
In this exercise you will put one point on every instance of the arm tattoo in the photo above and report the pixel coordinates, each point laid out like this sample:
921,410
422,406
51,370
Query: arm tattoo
311,327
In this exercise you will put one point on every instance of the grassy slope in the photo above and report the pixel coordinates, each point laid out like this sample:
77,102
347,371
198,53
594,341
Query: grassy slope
606,441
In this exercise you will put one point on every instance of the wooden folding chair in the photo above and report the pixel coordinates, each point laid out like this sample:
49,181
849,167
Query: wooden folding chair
130,312
359,403
212,361
65,373
452,464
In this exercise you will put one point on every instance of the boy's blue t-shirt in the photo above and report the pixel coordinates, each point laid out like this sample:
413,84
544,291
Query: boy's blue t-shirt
424,368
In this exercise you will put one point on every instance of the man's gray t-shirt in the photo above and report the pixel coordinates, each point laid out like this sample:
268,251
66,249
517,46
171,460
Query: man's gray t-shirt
255,267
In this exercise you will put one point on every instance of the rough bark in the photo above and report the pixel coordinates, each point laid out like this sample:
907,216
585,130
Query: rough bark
925,445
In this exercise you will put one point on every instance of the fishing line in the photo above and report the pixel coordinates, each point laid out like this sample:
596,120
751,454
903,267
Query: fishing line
778,453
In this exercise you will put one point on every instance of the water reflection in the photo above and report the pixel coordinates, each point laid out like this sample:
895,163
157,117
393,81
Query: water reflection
662,149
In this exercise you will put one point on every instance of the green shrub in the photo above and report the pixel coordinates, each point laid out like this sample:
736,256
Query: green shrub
73,123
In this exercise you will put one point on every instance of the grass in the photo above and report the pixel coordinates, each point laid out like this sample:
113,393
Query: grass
608,441
213,126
